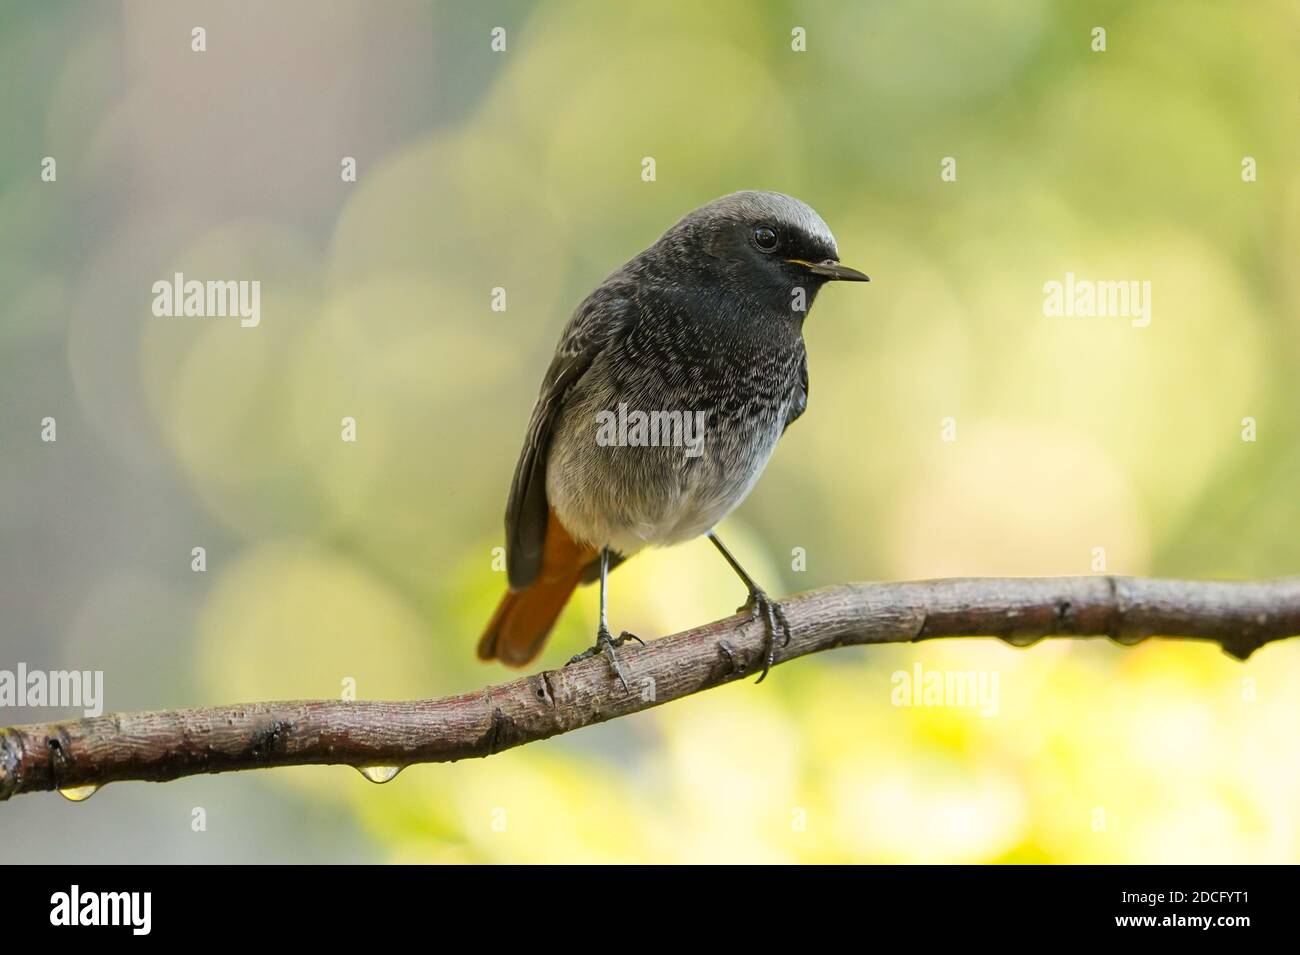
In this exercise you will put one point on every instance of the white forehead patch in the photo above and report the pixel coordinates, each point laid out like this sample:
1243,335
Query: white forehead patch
778,208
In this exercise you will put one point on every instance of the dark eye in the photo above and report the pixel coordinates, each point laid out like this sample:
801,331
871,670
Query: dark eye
765,238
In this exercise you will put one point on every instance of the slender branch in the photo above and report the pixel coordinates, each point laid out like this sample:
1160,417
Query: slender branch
170,744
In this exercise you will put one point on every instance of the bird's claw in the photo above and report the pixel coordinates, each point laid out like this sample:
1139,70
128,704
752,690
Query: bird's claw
760,604
606,643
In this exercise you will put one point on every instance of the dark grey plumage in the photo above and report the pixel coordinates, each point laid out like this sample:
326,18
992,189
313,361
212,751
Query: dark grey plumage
705,320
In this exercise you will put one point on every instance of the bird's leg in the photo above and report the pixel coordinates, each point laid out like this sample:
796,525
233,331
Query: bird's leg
605,642
758,603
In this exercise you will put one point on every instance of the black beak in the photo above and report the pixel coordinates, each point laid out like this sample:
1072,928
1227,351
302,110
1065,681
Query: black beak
832,270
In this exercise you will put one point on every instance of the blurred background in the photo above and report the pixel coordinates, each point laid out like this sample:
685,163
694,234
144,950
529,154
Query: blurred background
372,561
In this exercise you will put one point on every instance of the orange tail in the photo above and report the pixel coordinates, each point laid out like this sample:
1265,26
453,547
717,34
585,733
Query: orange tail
518,630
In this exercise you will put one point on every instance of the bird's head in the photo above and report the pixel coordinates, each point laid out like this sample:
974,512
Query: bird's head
764,245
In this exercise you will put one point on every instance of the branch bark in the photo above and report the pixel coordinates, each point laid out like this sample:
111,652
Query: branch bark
170,744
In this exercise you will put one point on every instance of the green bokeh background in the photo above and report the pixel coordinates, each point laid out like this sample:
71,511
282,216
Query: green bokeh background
372,561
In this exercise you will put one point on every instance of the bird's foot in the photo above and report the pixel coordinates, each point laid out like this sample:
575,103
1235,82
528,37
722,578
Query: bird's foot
758,605
606,643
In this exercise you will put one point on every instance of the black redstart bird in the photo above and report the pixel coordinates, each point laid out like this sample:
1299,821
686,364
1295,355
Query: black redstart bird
664,401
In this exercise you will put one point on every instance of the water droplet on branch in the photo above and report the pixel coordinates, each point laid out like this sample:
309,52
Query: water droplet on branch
379,774
79,793
1021,638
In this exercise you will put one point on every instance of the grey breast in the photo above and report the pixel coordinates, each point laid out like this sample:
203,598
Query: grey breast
732,398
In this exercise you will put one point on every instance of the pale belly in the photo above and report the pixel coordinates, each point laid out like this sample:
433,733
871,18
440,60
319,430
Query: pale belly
627,496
